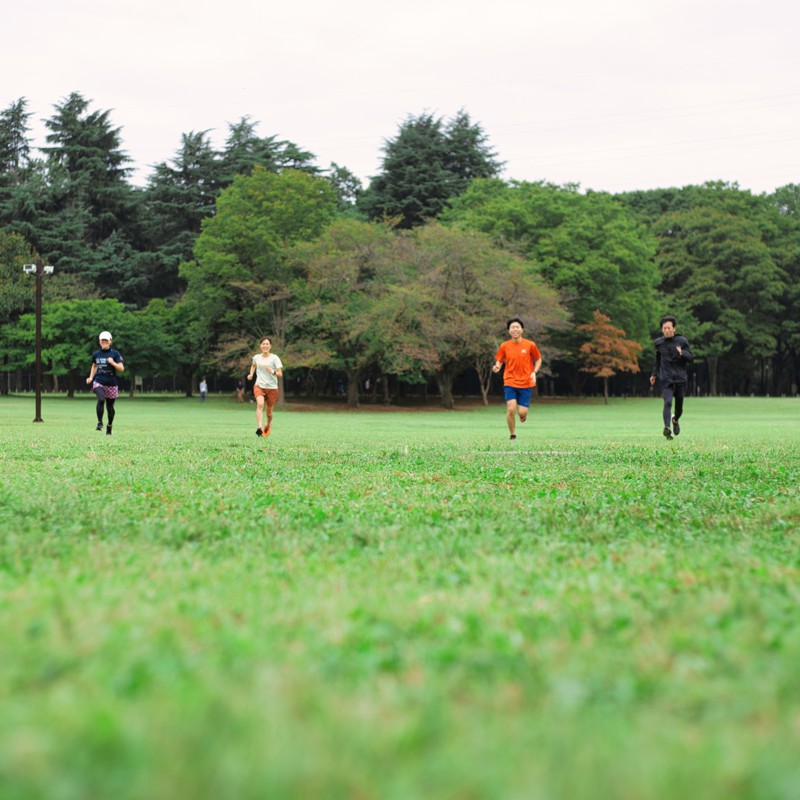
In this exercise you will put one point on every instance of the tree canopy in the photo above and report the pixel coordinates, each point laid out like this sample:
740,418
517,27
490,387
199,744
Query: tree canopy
409,278
428,163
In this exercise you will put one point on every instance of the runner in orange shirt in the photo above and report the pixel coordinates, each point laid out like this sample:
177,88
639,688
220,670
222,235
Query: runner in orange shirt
523,360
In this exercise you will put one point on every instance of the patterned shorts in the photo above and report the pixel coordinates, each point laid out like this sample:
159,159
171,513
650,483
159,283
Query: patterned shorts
109,392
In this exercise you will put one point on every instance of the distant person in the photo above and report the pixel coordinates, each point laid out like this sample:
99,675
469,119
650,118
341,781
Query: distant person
239,391
522,361
267,368
672,355
203,390
106,364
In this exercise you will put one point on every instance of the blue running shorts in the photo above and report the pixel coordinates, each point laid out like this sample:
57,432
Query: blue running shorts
522,396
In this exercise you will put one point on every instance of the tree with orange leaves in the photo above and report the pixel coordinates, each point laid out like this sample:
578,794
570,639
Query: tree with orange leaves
608,351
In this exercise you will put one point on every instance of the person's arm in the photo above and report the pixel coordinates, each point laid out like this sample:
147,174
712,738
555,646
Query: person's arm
685,352
91,373
536,367
118,365
252,370
656,367
498,360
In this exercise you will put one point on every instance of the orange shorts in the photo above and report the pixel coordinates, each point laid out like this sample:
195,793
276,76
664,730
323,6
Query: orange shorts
271,395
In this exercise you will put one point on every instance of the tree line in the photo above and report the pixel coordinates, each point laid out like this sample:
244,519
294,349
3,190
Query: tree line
407,280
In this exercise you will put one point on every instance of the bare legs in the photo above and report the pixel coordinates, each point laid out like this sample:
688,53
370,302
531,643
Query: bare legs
269,414
260,411
512,410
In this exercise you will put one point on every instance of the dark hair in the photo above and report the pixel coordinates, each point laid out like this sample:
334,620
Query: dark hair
668,318
265,339
515,319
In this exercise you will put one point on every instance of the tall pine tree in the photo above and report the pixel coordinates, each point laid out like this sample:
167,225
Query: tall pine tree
14,143
425,165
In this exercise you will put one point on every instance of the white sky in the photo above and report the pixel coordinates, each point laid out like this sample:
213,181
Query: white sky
614,95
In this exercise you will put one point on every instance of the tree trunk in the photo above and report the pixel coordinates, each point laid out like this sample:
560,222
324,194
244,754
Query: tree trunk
484,369
605,391
189,377
352,388
444,380
386,398
713,362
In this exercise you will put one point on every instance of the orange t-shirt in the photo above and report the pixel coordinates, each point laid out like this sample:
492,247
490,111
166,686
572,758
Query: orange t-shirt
520,358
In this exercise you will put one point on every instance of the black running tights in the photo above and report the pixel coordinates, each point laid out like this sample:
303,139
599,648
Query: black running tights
109,405
678,391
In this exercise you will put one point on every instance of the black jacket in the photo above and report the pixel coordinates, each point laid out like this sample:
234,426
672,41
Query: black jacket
670,367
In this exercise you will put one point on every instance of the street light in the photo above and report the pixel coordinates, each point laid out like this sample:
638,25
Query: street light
38,269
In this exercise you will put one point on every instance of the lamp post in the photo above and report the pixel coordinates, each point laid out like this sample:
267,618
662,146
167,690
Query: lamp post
38,269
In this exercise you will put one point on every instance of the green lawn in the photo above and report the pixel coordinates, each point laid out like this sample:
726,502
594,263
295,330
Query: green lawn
399,605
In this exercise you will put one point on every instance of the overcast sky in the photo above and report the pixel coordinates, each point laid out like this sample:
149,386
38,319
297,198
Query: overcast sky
614,95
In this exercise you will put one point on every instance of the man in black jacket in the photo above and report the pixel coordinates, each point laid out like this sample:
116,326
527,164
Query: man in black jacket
672,355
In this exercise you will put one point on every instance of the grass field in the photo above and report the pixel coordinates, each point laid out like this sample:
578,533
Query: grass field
400,605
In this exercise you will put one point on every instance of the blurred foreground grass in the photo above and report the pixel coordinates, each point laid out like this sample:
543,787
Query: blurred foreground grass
394,605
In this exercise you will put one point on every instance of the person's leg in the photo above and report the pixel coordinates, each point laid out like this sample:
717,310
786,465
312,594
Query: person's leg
271,399
511,411
101,402
260,411
523,403
666,413
680,393
110,410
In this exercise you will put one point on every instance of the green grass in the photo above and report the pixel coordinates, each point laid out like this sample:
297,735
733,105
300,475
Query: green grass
395,605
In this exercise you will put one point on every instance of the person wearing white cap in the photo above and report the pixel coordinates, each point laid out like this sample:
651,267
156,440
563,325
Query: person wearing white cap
106,363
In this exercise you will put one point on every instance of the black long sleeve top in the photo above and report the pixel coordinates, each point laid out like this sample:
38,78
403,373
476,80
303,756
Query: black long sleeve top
670,367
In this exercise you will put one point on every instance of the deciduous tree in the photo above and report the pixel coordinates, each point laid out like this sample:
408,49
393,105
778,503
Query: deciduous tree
239,284
348,270
588,246
718,265
460,290
607,352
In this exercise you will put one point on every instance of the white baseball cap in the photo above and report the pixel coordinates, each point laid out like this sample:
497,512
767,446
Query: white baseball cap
104,335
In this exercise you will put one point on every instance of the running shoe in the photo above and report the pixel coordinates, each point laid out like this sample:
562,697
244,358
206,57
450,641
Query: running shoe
259,432
99,426
676,428
667,433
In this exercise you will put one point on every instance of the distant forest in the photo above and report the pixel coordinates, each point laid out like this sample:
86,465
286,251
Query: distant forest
396,289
